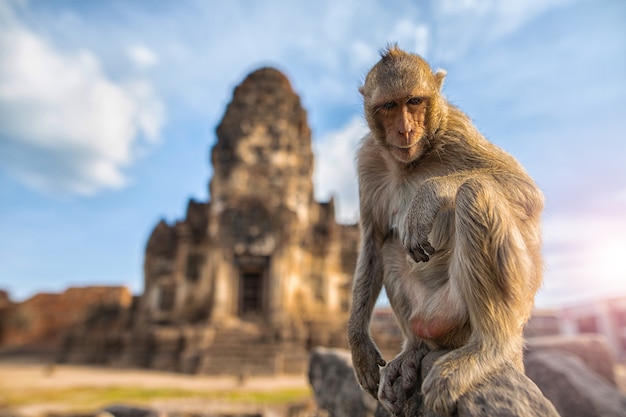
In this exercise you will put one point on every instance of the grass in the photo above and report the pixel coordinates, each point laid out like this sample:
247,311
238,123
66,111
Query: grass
91,398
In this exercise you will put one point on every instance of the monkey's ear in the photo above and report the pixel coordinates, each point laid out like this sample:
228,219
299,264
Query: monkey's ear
439,76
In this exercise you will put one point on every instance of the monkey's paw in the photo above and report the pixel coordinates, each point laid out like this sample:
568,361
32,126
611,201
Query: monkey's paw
399,379
442,388
420,250
367,360
414,239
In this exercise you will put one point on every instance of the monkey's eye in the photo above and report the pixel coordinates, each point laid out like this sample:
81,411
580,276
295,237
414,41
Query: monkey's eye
415,101
388,106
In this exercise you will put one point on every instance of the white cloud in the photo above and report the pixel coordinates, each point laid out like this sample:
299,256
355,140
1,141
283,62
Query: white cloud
142,56
335,169
412,37
149,111
65,127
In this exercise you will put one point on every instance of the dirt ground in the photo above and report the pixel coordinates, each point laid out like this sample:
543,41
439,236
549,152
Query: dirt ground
32,375
21,376
18,377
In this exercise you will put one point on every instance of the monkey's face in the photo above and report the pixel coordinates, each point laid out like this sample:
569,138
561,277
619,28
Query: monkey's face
401,95
401,125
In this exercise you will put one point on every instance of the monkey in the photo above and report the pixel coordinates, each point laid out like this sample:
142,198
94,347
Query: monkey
450,226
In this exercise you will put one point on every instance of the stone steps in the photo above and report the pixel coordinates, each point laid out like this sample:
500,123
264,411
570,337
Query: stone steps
239,351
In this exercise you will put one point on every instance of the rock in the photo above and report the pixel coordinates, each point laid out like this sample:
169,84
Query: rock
334,385
592,349
507,393
572,387
120,410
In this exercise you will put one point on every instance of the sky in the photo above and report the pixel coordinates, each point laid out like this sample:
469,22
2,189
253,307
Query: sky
108,111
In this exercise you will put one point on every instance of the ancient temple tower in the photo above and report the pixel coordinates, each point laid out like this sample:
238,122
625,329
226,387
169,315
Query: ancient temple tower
260,264
263,149
261,199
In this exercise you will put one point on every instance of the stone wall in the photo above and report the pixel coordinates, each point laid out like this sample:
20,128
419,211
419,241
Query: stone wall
42,321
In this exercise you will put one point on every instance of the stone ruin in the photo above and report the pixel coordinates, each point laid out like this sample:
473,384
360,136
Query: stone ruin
37,326
249,281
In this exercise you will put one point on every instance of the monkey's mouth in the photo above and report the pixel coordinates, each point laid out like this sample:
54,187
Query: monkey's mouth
402,144
406,153
406,147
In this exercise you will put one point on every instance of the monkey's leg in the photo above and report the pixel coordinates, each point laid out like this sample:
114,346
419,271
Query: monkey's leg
406,368
366,358
491,267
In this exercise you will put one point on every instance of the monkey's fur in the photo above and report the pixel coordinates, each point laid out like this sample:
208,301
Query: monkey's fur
450,226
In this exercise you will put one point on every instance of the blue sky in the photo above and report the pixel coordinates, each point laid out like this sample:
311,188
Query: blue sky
108,111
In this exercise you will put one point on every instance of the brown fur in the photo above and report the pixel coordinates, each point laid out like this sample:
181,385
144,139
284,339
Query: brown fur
451,227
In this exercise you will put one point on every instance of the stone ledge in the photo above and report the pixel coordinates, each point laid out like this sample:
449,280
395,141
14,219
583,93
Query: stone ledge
507,394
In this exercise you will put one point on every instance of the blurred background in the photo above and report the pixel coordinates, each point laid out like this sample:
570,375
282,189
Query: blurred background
108,110
108,114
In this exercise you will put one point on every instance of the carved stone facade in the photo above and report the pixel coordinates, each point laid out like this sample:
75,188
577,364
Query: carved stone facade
250,280
262,250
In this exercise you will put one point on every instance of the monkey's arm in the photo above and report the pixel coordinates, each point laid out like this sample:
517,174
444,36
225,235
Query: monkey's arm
440,192
433,195
368,277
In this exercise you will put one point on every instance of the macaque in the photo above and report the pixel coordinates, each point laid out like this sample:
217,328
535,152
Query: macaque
450,225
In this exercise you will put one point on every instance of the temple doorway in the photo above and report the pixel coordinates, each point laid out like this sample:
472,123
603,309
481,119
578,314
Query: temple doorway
253,287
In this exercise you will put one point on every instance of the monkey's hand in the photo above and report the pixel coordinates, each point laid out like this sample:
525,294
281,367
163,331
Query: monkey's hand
399,379
367,360
414,233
